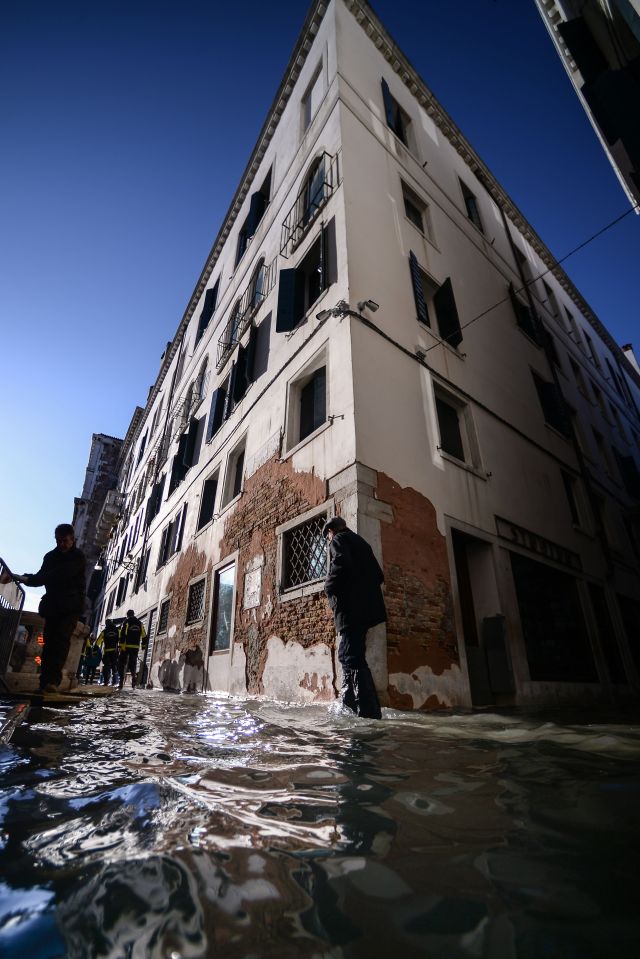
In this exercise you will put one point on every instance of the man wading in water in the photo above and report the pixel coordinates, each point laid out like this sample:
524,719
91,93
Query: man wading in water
353,590
63,575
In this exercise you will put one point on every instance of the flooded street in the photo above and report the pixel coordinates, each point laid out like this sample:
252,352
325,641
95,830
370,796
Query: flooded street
151,825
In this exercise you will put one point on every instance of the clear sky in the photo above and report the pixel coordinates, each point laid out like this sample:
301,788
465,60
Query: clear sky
124,129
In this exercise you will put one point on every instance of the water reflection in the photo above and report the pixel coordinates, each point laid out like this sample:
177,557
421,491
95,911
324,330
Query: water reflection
154,826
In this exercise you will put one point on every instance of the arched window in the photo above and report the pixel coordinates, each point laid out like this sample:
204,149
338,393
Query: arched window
314,192
258,285
200,384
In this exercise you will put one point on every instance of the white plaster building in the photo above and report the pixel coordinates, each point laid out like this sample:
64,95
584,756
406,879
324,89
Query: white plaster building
379,332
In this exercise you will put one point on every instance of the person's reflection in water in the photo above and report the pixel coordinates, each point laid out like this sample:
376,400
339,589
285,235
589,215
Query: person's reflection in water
366,833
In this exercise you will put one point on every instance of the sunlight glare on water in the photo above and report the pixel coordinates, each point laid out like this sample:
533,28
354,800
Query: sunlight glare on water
149,825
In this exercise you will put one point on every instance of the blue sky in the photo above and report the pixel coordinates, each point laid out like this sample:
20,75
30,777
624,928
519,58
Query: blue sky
125,127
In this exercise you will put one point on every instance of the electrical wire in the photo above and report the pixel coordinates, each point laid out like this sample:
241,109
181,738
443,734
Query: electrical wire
549,269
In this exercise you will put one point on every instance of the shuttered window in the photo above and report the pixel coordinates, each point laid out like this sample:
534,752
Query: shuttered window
441,299
553,406
215,412
210,300
299,288
525,317
208,500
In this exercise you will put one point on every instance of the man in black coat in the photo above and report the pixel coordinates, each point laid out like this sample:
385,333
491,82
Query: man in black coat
353,589
63,574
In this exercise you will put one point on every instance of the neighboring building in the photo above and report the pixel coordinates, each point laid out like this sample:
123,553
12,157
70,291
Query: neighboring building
100,477
480,428
599,43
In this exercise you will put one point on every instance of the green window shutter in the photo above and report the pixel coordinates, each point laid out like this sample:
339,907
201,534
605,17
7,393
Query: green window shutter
215,412
290,285
447,314
418,292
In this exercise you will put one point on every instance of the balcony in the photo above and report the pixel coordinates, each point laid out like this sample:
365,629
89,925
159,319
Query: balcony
321,183
109,516
245,308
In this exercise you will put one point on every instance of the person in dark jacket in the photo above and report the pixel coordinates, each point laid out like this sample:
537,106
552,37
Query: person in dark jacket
353,589
131,636
63,575
109,640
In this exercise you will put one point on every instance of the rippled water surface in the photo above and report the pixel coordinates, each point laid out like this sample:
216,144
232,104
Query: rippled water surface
149,825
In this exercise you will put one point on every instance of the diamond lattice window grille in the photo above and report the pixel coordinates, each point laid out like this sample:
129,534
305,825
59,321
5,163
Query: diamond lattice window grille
305,553
195,603
164,617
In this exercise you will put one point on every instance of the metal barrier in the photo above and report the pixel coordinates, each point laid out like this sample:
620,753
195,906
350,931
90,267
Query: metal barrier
11,603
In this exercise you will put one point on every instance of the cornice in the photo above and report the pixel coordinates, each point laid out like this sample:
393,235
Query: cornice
383,41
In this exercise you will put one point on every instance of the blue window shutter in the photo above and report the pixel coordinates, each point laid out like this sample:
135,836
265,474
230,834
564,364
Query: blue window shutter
215,412
389,104
447,314
418,293
285,317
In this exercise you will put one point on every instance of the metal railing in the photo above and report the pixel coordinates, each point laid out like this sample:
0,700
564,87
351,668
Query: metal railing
320,184
11,603
244,310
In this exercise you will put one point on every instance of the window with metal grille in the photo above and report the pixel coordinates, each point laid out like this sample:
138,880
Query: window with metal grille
305,553
195,603
164,617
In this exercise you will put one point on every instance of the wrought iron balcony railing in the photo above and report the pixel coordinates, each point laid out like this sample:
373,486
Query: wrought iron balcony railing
244,310
321,183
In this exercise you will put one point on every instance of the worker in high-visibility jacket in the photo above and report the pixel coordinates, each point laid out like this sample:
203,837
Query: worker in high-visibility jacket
109,640
132,635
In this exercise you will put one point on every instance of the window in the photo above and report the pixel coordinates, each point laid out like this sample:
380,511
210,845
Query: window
616,419
258,284
578,376
574,329
111,602
524,267
154,501
188,452
450,428
141,574
551,301
552,349
552,403
299,288
592,352
163,619
200,383
603,453
576,429
437,301
156,416
143,443
629,473
311,99
304,553
570,491
122,590
397,119
307,401
599,399
195,602
208,500
525,317
210,301
415,209
171,539
225,581
314,191
235,473
257,206
471,206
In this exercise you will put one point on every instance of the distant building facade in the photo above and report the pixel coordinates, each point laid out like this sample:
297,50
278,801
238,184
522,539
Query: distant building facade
599,44
378,332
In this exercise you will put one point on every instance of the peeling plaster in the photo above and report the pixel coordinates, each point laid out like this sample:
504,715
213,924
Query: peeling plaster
428,690
291,666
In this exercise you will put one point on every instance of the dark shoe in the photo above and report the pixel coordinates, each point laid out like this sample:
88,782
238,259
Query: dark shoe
366,695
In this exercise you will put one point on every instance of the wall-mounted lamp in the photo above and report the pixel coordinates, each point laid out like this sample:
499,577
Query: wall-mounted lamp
368,305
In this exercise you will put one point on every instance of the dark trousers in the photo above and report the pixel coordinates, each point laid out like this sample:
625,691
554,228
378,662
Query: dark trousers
127,663
57,634
109,664
358,691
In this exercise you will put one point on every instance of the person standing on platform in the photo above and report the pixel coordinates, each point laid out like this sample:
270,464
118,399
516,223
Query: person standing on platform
132,634
63,575
353,589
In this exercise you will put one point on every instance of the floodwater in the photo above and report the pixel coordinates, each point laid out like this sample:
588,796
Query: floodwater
152,825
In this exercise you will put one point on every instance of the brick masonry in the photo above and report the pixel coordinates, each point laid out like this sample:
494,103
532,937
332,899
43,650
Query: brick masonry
420,628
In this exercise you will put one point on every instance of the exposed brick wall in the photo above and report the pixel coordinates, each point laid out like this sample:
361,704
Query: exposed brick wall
274,494
420,628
